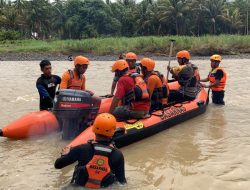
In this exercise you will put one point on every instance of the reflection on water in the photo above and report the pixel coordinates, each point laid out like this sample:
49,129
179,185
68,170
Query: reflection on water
210,151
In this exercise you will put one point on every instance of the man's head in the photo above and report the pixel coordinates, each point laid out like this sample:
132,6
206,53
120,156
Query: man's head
215,60
131,59
81,64
104,125
183,57
46,68
120,67
147,65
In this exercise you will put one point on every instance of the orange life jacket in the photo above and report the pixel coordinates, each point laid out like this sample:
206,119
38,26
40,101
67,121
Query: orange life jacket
160,94
139,92
98,167
222,84
75,84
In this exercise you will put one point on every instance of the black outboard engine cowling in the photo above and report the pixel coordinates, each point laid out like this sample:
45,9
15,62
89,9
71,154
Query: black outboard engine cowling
73,109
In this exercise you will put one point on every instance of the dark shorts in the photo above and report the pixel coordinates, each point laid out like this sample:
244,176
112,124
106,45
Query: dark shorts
218,97
124,113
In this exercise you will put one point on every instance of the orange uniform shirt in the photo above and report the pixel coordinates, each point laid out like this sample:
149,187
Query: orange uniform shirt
153,82
73,83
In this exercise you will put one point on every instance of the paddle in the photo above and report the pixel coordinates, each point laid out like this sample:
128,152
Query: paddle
208,92
170,54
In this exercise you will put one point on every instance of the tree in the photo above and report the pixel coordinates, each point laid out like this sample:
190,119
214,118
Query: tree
93,18
233,19
174,10
39,17
214,9
58,18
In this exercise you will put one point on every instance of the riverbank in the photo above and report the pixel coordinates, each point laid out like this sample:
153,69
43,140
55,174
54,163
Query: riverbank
231,46
64,57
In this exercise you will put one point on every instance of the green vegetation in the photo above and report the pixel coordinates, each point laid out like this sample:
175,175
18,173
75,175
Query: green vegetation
9,35
80,19
205,45
103,27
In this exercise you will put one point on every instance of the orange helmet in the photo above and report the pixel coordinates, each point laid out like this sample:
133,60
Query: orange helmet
131,55
119,65
183,54
216,57
104,124
148,63
80,60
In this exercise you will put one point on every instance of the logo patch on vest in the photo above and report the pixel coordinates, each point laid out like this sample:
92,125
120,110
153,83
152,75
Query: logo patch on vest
100,162
136,125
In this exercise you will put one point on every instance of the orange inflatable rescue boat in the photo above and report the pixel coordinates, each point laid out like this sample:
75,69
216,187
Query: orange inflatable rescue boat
135,130
44,122
32,124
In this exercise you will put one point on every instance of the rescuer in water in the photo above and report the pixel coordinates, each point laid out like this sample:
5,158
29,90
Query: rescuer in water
100,163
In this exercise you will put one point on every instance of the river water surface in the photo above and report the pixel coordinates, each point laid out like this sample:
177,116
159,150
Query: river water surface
211,151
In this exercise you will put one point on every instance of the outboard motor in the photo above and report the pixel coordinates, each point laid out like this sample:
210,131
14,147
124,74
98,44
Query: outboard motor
73,109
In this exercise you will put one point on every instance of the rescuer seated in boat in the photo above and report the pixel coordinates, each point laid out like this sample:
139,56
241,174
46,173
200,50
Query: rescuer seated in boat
133,67
156,82
46,85
217,78
183,58
131,91
75,79
100,163
188,84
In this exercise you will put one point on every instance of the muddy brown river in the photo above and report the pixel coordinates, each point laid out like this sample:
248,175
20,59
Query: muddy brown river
209,152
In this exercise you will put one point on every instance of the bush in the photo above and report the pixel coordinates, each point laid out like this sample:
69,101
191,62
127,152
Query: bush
9,35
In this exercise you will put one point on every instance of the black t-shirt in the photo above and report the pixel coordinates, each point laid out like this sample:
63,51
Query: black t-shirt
218,75
47,88
84,153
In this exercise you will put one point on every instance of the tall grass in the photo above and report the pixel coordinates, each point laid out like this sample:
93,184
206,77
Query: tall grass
204,45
